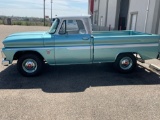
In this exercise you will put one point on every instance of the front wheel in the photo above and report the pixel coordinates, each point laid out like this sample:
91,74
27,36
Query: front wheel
30,65
125,63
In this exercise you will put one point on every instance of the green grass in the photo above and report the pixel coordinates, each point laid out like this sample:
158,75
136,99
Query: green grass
28,23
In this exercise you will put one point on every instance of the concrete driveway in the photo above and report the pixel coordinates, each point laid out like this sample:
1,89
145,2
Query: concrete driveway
78,92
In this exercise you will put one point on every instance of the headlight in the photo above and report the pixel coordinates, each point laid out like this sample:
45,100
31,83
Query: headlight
3,55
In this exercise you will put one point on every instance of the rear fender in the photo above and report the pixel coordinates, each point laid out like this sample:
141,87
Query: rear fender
133,53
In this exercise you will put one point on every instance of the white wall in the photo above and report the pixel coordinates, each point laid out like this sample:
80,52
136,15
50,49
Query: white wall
159,28
96,5
140,6
102,12
151,16
156,18
96,8
88,6
111,17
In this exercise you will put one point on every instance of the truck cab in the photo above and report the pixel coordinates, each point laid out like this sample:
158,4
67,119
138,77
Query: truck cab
72,38
74,24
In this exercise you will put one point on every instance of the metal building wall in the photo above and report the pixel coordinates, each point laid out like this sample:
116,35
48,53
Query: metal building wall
112,13
159,28
102,12
156,18
108,11
145,16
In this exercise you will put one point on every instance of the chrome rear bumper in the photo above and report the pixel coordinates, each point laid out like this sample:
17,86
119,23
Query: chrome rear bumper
5,62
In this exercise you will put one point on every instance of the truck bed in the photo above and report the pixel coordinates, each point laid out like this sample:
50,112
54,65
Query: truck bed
107,45
118,33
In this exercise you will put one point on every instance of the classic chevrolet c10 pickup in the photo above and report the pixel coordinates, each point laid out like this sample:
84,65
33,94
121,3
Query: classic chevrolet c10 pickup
70,40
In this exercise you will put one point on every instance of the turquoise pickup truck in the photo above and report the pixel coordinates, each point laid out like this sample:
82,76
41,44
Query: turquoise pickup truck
70,40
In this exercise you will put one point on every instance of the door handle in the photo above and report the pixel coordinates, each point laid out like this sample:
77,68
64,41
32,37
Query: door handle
85,38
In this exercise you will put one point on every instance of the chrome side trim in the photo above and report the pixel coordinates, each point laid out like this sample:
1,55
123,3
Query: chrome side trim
88,47
31,48
126,46
113,46
79,48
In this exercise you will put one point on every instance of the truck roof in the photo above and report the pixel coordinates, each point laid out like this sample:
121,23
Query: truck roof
86,16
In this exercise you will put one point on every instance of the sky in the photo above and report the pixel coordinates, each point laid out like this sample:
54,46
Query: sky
34,8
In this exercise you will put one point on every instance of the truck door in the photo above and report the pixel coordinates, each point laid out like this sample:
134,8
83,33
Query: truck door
72,45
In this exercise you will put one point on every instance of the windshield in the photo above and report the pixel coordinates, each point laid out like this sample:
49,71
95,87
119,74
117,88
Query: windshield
54,26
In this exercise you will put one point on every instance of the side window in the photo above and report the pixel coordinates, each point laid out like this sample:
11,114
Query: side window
75,27
72,27
63,28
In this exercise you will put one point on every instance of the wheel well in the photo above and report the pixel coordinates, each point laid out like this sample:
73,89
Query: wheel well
18,54
137,56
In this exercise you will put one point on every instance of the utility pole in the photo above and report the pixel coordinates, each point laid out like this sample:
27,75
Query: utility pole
51,9
44,14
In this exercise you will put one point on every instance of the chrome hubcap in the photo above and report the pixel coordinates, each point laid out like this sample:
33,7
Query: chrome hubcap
29,65
126,63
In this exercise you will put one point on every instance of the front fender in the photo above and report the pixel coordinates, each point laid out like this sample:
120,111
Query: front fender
46,53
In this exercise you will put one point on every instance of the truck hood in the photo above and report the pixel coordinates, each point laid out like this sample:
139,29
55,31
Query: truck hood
24,39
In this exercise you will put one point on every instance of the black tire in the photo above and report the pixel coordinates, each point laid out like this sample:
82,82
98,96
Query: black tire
30,65
125,63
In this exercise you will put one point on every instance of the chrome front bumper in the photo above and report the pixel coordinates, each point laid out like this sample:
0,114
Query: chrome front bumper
5,62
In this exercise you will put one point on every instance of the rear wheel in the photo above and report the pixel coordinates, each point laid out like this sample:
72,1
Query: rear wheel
125,63
30,65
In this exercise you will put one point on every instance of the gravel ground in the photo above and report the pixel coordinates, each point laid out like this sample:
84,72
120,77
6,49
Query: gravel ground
77,92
